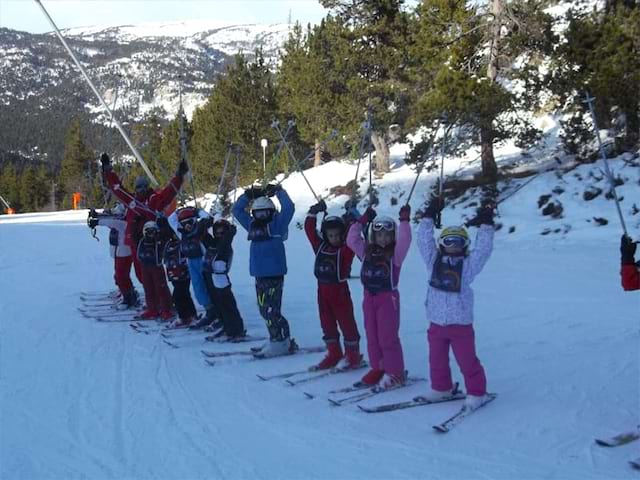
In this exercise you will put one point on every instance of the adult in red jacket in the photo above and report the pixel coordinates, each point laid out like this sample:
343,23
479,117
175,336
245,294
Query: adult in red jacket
630,271
143,206
332,268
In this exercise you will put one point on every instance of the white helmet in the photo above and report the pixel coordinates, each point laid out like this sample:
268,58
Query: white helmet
150,225
263,203
380,223
119,210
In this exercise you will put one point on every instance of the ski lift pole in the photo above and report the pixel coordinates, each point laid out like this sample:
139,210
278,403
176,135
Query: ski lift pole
235,182
589,101
95,91
369,145
277,128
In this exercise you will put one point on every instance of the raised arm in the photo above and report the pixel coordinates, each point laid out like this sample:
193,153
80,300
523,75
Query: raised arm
482,249
240,213
310,229
355,241
426,243
402,242
287,209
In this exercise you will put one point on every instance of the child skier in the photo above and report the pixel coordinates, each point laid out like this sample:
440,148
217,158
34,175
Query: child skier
158,298
332,268
190,225
382,256
143,207
630,270
178,274
267,230
217,263
449,304
120,252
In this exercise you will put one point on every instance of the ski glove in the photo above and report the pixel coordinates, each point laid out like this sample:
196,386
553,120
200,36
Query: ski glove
627,250
321,206
272,189
254,192
367,216
405,213
434,207
105,161
92,222
183,168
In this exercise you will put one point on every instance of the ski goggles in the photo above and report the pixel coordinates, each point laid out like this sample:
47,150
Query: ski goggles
454,241
261,214
386,225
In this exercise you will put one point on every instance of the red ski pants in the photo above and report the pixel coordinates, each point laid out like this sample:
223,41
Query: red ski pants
462,341
156,291
336,309
121,276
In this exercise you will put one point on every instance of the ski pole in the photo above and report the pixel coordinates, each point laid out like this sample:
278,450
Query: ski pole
95,91
183,149
589,101
290,125
222,176
276,126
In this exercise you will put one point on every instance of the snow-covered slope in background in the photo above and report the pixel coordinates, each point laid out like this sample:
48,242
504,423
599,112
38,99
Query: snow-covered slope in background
557,336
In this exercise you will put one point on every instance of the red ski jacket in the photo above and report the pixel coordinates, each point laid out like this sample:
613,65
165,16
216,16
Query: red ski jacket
145,207
346,254
630,273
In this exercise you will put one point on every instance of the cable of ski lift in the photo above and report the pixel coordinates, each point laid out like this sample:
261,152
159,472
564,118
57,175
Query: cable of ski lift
95,91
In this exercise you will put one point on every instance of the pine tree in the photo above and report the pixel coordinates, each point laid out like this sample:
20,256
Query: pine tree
462,58
239,111
78,166
600,55
369,43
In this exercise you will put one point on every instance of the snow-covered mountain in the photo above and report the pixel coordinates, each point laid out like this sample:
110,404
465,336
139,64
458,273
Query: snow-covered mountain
146,62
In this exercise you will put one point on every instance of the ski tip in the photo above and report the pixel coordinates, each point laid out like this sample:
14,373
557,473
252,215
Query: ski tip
208,362
440,428
364,409
290,383
334,403
309,395
261,377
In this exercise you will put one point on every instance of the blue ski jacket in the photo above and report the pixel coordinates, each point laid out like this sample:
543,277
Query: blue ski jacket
267,258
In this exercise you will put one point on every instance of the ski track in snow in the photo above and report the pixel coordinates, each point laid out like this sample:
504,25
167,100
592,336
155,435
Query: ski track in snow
555,332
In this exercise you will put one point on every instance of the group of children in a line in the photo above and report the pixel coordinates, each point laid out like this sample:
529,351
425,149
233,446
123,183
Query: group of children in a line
183,246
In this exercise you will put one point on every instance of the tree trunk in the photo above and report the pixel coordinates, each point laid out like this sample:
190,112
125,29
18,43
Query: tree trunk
489,167
317,160
382,152
632,131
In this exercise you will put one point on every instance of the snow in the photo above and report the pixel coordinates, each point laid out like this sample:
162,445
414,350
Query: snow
556,334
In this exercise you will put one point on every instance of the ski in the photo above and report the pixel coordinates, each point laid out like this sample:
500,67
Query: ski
282,375
128,318
249,352
416,402
635,463
620,439
322,374
370,392
171,344
463,413
246,338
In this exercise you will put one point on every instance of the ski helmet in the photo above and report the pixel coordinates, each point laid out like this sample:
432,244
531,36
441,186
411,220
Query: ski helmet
141,184
187,216
382,223
149,228
454,240
262,208
119,210
330,223
220,227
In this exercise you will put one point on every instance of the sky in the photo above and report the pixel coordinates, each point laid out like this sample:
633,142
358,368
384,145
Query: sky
26,15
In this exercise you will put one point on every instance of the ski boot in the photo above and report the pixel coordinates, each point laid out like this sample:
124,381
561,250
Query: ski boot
333,356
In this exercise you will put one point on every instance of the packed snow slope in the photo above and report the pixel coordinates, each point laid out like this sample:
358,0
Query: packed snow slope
556,334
